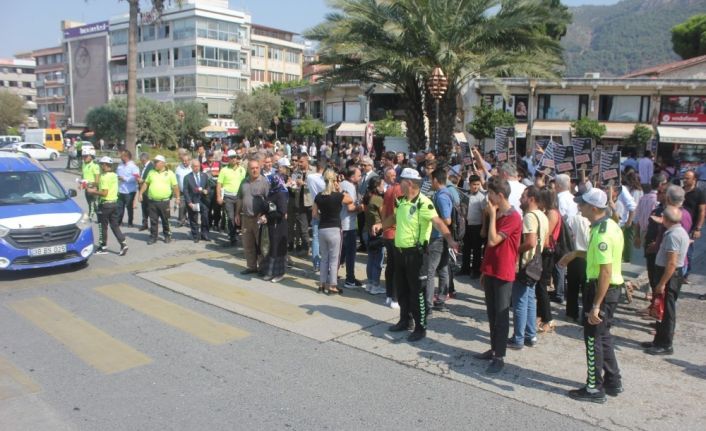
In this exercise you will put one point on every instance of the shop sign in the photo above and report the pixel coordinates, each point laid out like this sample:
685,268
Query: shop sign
682,119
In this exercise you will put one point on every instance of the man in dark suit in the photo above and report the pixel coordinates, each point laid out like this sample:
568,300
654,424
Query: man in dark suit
196,195
147,167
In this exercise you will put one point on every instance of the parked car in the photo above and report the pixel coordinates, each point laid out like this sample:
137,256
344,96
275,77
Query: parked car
36,151
9,139
40,224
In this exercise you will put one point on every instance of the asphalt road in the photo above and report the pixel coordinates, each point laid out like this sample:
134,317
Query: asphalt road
101,348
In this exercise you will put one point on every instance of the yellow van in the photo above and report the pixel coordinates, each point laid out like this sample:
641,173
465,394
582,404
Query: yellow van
50,138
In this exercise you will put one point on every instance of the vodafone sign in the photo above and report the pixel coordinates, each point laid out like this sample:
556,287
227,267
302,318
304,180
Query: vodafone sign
682,119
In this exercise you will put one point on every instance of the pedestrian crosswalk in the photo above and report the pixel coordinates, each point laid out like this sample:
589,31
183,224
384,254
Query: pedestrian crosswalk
14,382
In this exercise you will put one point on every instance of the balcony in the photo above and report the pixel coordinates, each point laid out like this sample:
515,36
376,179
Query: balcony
178,90
183,62
118,70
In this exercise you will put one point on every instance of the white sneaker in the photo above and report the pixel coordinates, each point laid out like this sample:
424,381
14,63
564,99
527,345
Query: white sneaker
394,305
377,290
354,285
388,301
277,279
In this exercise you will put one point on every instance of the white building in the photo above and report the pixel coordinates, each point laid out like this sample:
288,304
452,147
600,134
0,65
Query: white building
275,56
17,77
196,51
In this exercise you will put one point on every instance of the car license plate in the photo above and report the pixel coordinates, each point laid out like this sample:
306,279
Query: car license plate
42,251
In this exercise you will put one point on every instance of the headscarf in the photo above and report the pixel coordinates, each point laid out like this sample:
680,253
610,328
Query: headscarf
277,184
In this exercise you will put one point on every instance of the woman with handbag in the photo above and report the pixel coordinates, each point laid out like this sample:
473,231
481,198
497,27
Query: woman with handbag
372,234
545,322
327,208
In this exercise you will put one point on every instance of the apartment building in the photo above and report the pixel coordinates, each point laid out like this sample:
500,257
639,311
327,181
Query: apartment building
196,51
17,77
50,84
275,56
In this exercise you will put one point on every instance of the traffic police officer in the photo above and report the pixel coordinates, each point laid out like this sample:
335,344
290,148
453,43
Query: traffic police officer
107,192
605,280
90,173
162,184
227,186
414,216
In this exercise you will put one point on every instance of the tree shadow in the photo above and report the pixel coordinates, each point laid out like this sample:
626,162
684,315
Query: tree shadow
690,369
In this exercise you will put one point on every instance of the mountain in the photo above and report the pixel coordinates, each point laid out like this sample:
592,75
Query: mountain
624,37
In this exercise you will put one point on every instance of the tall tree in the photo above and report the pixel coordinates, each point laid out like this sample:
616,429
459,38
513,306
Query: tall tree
400,42
254,112
131,124
11,110
689,37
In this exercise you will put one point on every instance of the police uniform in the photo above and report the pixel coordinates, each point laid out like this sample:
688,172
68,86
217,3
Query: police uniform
159,193
230,180
108,208
413,229
89,172
605,247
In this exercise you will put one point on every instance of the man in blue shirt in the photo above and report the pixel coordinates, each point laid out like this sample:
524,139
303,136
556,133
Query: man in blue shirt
436,259
128,173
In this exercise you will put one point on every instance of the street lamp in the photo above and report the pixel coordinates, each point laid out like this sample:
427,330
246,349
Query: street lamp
437,85
181,117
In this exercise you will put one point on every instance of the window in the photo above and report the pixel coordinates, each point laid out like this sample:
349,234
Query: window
289,77
316,109
631,109
274,54
275,77
257,75
165,84
184,56
218,57
163,57
118,37
149,59
149,32
292,57
12,83
517,104
119,87
562,107
184,28
27,84
218,30
258,51
184,83
217,84
163,31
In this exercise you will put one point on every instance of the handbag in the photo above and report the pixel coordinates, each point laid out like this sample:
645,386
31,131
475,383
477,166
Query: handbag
532,271
375,243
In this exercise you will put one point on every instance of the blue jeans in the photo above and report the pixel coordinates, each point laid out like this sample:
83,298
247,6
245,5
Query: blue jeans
315,255
524,309
350,240
373,268
559,280
689,257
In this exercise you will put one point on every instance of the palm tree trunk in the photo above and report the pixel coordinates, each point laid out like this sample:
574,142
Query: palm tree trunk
131,124
413,104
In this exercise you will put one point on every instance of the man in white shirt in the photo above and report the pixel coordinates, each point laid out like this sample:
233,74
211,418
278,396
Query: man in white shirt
624,205
472,241
181,172
508,171
316,184
565,200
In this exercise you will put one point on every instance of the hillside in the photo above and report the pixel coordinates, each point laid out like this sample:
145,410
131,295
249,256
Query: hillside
624,37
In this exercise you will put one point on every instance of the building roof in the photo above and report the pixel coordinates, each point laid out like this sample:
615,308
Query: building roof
667,67
47,51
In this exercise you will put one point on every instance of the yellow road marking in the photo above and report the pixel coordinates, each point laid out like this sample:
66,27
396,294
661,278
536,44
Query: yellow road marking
198,325
239,295
90,344
13,382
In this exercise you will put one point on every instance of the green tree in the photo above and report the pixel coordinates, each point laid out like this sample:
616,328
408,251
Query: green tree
11,110
639,137
254,112
388,126
556,29
689,37
310,127
400,42
195,118
486,119
589,128
108,121
131,135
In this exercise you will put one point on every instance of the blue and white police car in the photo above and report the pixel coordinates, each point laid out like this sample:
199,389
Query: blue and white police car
40,225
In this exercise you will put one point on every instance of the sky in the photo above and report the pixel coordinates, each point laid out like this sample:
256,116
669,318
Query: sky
33,24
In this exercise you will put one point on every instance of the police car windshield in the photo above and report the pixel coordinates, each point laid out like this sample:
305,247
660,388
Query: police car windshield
29,187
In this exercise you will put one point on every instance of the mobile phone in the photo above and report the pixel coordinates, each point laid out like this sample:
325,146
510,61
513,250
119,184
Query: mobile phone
452,255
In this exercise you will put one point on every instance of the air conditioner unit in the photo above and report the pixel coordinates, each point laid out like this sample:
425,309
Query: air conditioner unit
592,75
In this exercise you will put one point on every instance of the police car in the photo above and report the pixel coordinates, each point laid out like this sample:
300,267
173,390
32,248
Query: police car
40,225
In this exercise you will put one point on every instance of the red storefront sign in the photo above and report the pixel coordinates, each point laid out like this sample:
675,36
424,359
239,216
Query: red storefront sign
682,119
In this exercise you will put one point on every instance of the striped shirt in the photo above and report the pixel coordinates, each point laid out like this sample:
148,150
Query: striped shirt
645,207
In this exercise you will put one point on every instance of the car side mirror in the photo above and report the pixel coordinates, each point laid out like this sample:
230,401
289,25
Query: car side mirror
72,193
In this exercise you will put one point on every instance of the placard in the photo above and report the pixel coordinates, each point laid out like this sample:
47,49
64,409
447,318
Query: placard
582,154
547,163
537,155
610,169
564,160
505,144
596,160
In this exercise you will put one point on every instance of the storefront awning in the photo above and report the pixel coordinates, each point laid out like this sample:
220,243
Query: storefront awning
460,137
73,132
118,58
351,129
550,128
521,130
619,130
682,135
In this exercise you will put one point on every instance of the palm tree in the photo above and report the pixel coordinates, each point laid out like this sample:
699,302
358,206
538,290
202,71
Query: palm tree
399,42
131,124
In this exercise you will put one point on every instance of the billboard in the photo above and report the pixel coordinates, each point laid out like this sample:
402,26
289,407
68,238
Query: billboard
88,68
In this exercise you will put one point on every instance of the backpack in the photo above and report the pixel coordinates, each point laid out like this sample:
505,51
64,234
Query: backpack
458,217
565,242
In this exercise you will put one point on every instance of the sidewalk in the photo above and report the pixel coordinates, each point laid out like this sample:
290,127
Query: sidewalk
660,392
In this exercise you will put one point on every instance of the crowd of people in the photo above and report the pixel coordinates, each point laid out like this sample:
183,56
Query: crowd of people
532,239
